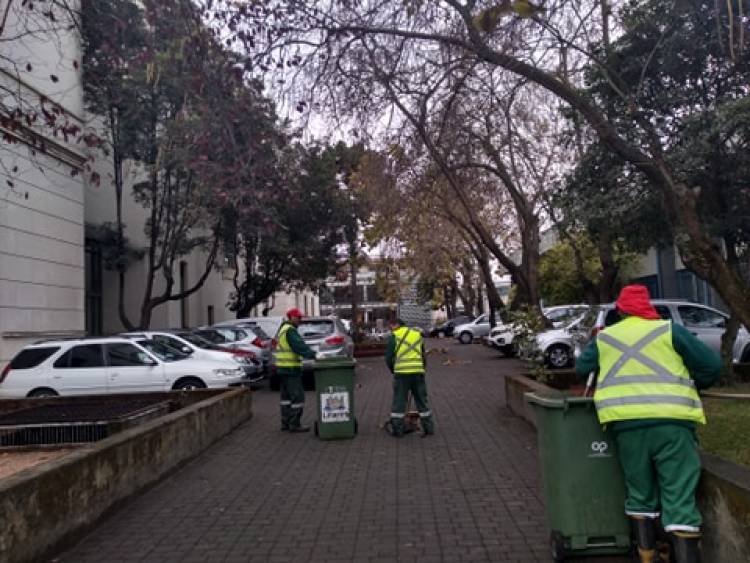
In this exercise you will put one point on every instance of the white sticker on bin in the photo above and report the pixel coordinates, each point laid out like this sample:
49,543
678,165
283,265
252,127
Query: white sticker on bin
334,407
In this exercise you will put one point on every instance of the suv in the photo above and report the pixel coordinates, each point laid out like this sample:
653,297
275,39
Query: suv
704,322
109,365
328,337
477,328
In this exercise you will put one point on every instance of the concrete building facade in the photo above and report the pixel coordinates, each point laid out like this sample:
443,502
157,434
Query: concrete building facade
53,280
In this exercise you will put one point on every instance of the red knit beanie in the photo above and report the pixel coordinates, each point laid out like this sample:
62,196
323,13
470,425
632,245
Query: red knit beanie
635,300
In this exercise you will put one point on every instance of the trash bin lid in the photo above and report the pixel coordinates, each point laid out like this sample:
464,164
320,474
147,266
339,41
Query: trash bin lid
335,363
554,401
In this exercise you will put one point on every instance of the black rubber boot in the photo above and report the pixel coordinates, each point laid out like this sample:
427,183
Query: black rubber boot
645,537
686,547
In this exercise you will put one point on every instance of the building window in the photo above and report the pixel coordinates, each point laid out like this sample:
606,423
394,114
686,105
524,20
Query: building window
184,321
307,312
93,288
210,314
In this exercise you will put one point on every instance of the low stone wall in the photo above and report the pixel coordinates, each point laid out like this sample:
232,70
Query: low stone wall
723,494
49,506
515,388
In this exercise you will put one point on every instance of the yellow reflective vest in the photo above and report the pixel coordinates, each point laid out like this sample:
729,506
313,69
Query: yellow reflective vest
285,357
408,352
642,376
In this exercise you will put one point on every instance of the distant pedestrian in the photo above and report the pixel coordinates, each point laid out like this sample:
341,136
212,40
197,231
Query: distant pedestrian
646,391
405,357
290,350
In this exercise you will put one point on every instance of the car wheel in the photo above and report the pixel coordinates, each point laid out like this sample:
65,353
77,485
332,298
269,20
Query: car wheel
42,392
465,338
559,356
746,355
188,384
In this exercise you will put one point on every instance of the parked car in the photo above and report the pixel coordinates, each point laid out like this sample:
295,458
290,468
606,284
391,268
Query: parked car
328,337
239,339
249,335
109,365
706,323
200,348
270,325
502,336
477,328
446,328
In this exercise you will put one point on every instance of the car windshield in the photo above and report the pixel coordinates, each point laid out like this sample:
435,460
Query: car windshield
162,351
196,340
315,329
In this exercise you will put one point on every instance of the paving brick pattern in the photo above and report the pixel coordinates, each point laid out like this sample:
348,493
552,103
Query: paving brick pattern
469,493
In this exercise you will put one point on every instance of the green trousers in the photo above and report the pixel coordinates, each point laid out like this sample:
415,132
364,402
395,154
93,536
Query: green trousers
403,383
661,467
292,400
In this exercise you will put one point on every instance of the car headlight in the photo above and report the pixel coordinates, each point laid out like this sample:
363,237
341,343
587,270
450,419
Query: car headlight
229,372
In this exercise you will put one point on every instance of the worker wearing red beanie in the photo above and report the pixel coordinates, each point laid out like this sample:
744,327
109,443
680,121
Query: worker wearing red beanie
646,390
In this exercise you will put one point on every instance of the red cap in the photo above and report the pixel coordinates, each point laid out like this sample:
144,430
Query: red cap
635,300
294,313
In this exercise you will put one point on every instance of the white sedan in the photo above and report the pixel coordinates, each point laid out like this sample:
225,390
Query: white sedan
110,365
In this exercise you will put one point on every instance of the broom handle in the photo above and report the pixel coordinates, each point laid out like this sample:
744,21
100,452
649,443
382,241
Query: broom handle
589,383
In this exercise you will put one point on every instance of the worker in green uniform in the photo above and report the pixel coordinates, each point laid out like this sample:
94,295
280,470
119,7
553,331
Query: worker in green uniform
405,357
289,353
649,373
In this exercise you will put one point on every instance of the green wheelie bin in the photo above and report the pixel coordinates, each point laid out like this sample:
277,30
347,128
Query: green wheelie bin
334,389
584,490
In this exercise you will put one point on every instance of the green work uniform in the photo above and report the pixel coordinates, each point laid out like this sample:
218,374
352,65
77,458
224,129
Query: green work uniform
646,392
290,350
405,357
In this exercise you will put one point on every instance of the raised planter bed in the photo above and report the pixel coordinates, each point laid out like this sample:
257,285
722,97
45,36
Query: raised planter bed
723,493
48,506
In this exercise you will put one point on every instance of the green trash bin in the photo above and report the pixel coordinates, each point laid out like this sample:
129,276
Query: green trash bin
334,389
584,490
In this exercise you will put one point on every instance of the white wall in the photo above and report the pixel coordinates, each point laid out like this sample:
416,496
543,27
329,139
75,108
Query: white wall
41,202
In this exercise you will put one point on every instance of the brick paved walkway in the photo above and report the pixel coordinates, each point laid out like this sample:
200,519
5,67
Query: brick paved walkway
470,493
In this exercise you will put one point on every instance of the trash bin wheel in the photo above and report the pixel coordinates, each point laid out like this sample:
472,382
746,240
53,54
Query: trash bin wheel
557,546
315,428
356,426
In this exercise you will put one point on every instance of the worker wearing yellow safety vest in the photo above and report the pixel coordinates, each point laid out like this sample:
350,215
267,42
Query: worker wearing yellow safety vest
288,355
646,390
405,357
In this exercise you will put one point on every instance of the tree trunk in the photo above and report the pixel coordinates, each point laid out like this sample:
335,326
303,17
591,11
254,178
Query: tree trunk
353,253
727,346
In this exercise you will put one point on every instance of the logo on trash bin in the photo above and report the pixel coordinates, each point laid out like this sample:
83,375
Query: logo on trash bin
599,449
334,407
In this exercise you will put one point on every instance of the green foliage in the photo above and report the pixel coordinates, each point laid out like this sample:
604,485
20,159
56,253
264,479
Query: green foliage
526,322
560,279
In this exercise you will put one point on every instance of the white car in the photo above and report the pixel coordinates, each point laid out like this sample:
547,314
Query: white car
502,336
200,349
108,365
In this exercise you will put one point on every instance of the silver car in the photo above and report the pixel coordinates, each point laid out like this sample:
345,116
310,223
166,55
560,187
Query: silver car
327,336
704,322
477,328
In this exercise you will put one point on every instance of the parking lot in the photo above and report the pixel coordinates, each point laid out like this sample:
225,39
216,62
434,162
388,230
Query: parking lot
470,493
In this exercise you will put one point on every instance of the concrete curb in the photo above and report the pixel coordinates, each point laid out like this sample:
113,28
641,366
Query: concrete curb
49,506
